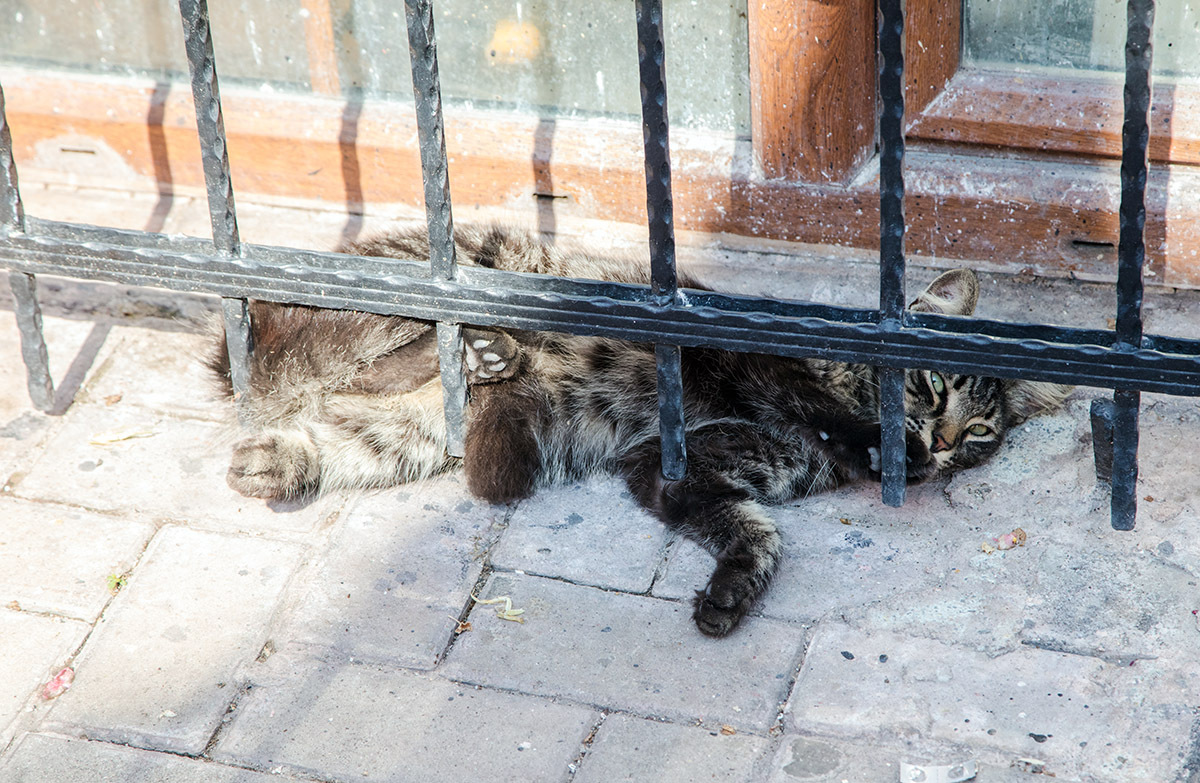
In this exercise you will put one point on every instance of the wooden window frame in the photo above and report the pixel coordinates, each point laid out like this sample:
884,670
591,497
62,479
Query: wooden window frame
1011,171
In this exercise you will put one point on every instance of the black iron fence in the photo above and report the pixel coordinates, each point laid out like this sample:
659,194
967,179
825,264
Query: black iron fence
1125,359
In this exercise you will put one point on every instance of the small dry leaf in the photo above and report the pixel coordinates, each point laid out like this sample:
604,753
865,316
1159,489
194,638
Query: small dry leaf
113,399
507,613
844,521
987,548
728,730
14,605
121,434
460,626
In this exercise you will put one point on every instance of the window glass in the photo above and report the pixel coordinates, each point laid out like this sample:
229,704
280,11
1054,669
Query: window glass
552,57
559,57
259,41
1078,34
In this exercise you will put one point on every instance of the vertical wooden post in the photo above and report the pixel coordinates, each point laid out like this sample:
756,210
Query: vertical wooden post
812,87
931,51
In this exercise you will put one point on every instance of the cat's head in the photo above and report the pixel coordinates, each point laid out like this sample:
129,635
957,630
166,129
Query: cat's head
958,421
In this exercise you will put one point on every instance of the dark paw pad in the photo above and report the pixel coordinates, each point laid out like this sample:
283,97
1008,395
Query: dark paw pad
490,356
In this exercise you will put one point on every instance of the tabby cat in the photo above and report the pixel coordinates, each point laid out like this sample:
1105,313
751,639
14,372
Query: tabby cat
344,399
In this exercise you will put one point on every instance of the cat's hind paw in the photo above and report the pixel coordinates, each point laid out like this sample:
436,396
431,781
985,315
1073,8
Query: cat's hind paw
273,466
490,355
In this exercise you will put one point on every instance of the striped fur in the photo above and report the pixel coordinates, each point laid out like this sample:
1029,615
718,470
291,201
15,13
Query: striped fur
344,399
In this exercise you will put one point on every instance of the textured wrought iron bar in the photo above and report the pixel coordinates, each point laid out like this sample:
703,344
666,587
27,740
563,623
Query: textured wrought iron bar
1131,251
893,458
489,297
1125,458
1102,438
435,174
454,386
660,219
214,156
75,235
12,213
435,170
891,239
24,286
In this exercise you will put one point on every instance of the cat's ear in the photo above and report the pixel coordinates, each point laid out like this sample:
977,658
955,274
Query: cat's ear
1029,398
953,293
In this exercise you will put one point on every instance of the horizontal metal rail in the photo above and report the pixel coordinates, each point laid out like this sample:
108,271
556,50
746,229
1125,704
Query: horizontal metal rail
489,297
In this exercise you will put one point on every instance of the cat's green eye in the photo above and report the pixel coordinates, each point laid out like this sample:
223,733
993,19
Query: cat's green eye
939,385
979,430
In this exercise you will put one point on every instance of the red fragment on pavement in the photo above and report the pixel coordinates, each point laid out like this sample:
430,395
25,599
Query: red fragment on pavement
60,683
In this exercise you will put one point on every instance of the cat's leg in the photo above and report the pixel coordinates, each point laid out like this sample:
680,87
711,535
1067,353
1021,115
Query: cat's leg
370,442
502,457
353,441
717,505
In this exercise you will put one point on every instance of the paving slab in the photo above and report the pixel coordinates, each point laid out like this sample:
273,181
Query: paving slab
842,550
160,670
40,758
72,346
1085,717
635,749
632,653
591,533
356,722
33,649
58,559
396,574
808,759
159,370
159,466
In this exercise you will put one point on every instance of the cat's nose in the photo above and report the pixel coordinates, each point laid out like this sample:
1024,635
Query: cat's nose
939,443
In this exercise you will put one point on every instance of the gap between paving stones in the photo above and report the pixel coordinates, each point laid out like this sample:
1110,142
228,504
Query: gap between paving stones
585,747
28,716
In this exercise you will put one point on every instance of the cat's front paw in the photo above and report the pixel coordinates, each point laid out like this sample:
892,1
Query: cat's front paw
720,607
273,466
490,355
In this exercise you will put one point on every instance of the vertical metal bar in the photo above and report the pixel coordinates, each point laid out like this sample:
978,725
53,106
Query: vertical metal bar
1131,251
1102,438
24,287
1125,459
435,172
660,219
214,155
891,241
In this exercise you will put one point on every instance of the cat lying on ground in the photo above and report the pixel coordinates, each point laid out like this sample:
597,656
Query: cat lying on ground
352,400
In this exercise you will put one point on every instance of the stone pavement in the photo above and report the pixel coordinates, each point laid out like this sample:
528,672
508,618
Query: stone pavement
216,638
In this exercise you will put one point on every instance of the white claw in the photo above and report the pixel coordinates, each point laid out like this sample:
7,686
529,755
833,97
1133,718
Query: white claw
874,452
491,357
477,344
498,366
824,435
